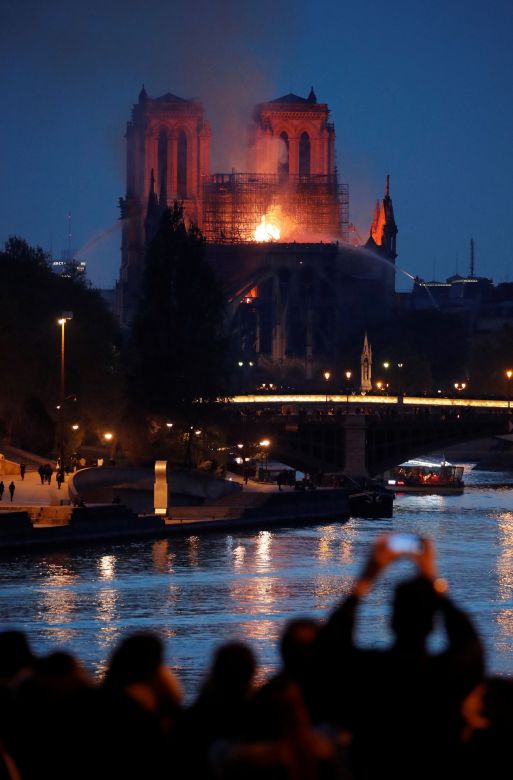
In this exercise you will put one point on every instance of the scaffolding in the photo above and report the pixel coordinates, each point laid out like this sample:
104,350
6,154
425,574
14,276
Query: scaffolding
309,208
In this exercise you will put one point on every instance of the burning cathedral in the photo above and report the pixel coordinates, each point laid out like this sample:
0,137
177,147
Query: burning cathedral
299,286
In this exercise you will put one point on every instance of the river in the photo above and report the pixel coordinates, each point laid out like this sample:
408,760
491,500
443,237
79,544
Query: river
197,592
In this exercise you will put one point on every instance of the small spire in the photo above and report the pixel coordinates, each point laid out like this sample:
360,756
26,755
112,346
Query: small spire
387,186
143,95
312,97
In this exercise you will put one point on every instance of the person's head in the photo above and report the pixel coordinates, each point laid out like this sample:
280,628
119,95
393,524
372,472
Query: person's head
297,645
136,659
16,657
414,608
233,668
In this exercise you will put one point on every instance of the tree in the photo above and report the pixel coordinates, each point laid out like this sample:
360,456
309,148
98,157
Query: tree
32,298
177,355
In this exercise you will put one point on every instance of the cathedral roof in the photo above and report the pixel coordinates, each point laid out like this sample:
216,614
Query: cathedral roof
170,98
290,98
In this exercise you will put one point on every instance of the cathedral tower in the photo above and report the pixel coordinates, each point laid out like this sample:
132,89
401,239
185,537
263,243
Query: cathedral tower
168,157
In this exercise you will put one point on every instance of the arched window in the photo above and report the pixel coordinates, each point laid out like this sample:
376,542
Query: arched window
162,164
181,167
304,155
283,155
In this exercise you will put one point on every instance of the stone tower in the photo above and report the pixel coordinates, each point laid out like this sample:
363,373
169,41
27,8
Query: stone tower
292,136
168,157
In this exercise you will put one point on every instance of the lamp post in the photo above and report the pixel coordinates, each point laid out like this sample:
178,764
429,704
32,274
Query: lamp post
64,318
265,443
459,386
327,377
509,375
348,375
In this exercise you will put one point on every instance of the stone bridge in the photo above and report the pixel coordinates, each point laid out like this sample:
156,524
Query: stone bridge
365,444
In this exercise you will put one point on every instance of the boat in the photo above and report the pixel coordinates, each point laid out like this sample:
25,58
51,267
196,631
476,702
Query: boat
423,476
373,501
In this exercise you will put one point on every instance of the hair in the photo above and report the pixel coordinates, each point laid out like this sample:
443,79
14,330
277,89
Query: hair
135,660
415,604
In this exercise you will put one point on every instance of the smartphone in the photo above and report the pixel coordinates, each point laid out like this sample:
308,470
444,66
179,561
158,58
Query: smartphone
405,543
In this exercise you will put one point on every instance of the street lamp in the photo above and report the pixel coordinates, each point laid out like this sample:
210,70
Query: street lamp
265,443
509,375
327,377
348,375
459,386
64,318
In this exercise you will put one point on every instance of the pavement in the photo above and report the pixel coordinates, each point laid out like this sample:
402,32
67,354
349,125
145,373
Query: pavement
30,491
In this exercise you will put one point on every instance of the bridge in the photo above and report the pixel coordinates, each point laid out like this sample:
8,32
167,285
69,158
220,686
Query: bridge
363,435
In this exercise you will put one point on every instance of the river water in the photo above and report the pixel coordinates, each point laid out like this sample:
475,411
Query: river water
197,592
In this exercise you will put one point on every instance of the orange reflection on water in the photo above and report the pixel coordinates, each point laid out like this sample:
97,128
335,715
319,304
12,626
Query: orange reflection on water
239,556
58,601
162,558
263,550
505,556
107,567
193,543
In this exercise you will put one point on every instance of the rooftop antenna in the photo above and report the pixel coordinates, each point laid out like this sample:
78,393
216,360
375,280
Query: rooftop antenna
472,258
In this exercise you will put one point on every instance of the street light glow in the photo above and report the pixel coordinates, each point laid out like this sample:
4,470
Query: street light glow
265,443
108,436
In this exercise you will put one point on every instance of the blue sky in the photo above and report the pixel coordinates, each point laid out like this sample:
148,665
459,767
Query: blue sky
422,91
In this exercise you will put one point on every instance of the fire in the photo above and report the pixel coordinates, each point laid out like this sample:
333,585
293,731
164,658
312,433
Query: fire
267,231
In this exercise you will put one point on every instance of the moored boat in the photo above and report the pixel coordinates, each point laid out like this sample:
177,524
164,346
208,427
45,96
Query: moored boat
422,476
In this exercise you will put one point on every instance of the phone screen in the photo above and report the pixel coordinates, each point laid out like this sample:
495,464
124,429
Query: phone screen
405,543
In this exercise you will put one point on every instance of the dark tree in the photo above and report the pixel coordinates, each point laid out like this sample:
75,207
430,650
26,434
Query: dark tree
32,298
177,353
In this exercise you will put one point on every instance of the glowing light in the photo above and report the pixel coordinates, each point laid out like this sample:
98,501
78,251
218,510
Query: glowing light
267,231
108,436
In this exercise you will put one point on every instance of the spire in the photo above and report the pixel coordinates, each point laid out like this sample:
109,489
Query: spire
312,97
383,228
366,366
143,96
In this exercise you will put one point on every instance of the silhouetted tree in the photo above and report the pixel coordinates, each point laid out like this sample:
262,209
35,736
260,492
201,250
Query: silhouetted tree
32,298
177,353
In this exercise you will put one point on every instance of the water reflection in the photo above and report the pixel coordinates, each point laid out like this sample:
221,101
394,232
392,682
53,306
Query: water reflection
263,550
161,557
57,601
504,616
107,567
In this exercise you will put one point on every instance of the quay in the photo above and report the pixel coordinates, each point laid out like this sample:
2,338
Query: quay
43,516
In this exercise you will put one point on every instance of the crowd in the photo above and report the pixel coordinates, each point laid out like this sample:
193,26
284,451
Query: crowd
332,711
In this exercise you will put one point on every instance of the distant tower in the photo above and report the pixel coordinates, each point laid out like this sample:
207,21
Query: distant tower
472,258
366,366
168,155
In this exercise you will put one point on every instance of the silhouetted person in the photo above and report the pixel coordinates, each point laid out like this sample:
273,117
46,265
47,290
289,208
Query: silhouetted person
41,472
2,488
402,704
142,701
22,471
59,478
11,488
57,708
220,712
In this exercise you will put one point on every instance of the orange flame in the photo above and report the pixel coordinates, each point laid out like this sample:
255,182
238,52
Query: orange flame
267,230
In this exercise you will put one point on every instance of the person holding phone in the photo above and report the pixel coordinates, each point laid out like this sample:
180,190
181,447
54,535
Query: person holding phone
401,704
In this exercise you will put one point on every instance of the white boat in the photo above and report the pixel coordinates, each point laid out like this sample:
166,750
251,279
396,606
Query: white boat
423,476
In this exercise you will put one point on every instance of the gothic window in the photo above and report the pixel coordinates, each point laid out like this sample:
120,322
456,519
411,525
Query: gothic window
181,168
283,155
162,161
304,155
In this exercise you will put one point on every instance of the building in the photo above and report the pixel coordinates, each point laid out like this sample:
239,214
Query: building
278,233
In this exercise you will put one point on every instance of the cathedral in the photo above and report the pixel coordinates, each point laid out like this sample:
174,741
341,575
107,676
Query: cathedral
298,285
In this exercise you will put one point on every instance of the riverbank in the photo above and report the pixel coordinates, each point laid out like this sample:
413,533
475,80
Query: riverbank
21,527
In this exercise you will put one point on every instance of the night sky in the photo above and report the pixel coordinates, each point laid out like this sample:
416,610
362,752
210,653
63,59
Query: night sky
422,91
